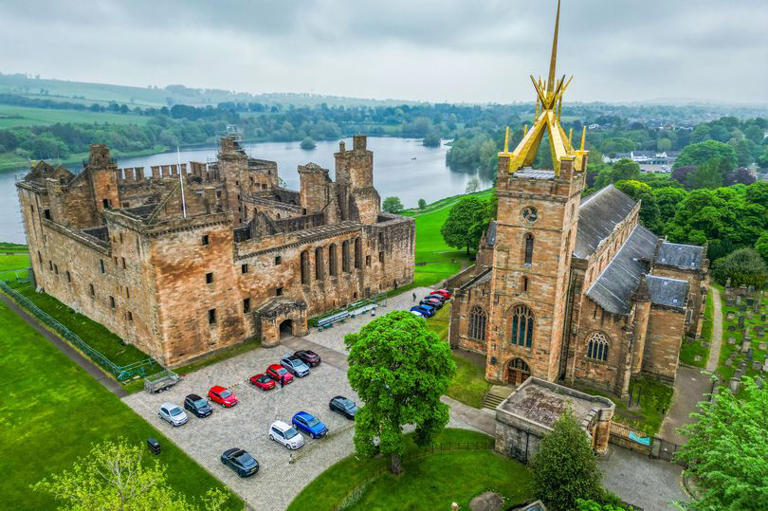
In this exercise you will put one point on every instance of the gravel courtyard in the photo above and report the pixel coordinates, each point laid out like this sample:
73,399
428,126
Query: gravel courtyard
279,479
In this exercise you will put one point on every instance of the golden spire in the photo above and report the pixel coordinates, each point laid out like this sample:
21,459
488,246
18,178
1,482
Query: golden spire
553,57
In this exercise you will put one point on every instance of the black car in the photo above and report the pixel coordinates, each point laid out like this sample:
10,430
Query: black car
309,357
198,405
240,461
343,406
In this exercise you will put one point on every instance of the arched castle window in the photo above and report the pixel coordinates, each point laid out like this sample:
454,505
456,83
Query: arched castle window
358,253
528,248
477,319
304,267
597,347
345,256
319,269
332,260
522,326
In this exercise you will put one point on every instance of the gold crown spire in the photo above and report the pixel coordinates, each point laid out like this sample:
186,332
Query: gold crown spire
553,57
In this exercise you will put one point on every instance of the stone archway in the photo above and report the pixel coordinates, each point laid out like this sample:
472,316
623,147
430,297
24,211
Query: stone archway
286,328
279,318
518,371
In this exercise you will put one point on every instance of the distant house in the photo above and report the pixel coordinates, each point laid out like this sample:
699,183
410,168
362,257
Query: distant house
649,161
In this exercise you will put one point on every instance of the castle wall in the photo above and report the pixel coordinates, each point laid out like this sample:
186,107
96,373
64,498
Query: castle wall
461,309
666,328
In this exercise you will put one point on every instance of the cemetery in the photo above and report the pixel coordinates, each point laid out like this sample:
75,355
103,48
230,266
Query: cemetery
745,347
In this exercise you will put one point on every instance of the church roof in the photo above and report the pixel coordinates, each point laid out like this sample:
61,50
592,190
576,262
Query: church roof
667,291
613,289
598,216
685,257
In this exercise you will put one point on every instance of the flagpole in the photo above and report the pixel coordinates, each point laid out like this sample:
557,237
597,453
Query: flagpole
181,182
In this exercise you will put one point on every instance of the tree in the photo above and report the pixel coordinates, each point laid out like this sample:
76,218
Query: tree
696,154
422,204
308,144
432,139
744,267
709,174
667,199
392,205
399,368
113,476
727,450
463,227
564,468
472,185
761,246
649,209
591,505
739,176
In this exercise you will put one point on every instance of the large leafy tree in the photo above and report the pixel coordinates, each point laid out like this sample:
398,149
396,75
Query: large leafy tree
392,205
744,267
696,154
727,450
399,369
668,199
114,476
464,226
564,468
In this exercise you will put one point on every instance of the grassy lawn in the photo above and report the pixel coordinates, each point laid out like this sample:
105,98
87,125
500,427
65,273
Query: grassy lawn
56,410
690,349
12,116
731,330
430,480
655,398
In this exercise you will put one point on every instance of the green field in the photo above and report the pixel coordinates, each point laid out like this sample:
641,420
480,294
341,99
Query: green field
52,411
12,116
13,267
431,480
690,349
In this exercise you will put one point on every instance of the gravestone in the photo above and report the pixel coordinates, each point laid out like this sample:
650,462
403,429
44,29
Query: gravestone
728,362
742,308
750,354
731,340
730,316
762,346
729,300
742,366
738,299
756,366
705,344
750,302
731,328
745,346
741,321
749,313
697,358
734,385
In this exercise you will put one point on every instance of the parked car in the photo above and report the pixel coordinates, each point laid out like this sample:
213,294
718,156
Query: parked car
343,406
171,413
285,435
444,292
240,461
222,396
309,424
295,366
198,406
262,381
437,296
432,302
309,357
276,371
424,310
417,313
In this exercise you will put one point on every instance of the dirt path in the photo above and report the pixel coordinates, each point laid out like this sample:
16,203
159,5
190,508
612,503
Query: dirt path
717,331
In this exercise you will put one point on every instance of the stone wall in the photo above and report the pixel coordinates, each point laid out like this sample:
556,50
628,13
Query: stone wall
666,328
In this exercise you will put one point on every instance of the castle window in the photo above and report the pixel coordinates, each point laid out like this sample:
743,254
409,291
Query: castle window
278,260
205,240
208,278
597,347
101,266
121,237
123,258
127,293
528,248
522,326
56,269
319,270
358,253
112,302
477,320
129,316
69,277
246,305
40,257
333,264
50,265
91,290
381,240
244,268
211,316
367,260
525,284
381,256
32,208
345,256
304,267
278,291
47,214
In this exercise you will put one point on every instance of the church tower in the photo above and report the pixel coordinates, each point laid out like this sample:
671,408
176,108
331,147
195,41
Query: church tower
536,232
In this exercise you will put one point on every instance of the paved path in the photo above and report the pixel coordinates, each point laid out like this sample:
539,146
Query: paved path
68,350
692,384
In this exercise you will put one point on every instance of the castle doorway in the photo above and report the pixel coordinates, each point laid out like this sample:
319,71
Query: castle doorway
286,328
517,371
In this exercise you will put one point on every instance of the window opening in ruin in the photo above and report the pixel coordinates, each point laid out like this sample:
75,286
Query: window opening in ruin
246,305
345,256
50,265
304,267
332,261
522,326
69,276
597,347
106,203
358,253
40,257
477,320
278,291
525,284
208,278
112,302
91,290
528,248
367,260
56,269
129,315
47,214
101,266
286,328
123,259
319,271
211,316
206,240
381,256
244,268
278,260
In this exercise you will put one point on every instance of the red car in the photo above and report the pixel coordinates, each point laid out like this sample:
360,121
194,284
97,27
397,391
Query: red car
262,381
442,292
222,396
276,371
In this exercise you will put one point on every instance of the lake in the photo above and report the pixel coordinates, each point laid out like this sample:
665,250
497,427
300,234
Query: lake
402,167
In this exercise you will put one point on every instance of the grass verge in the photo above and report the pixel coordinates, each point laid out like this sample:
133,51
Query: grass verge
53,407
691,349
430,480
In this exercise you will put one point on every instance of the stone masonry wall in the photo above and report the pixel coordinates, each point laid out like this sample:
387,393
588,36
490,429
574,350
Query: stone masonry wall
666,328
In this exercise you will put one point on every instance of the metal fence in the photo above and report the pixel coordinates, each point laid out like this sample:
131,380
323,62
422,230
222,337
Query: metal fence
121,373
653,447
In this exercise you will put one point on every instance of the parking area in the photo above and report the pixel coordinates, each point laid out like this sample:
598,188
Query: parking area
282,473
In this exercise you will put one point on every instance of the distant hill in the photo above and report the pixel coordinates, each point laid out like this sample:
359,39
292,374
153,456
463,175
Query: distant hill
88,93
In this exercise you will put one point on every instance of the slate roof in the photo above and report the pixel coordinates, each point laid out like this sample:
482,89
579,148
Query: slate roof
613,289
598,216
667,291
528,173
685,257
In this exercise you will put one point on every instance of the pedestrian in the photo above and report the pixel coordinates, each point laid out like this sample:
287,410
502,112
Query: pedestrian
282,381
414,297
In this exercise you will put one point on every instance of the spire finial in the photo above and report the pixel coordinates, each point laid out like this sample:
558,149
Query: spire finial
553,58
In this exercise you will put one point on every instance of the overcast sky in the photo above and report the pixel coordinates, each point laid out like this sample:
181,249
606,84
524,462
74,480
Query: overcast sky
451,50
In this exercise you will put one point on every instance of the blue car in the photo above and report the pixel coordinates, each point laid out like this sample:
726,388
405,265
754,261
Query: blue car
424,310
309,425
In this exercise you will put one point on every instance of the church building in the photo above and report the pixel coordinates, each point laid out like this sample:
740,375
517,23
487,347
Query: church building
570,288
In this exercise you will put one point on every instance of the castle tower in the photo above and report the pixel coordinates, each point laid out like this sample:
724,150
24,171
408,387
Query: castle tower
536,233
358,199
102,173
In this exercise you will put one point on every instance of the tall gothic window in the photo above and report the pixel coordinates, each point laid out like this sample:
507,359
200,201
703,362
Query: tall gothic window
522,326
319,269
305,267
528,248
477,319
345,256
333,268
597,347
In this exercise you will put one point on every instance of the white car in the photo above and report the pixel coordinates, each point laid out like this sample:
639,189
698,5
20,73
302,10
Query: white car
173,414
286,435
417,314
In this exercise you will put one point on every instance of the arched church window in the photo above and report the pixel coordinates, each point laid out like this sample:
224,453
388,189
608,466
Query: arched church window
522,326
528,248
597,347
477,320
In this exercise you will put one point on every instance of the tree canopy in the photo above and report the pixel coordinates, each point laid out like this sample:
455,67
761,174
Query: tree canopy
744,267
727,450
399,368
466,223
392,205
696,154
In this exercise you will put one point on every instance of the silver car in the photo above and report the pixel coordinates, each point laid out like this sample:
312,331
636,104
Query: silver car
173,414
285,435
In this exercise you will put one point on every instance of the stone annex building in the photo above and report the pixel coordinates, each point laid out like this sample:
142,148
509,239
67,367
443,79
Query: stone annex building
571,288
183,263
